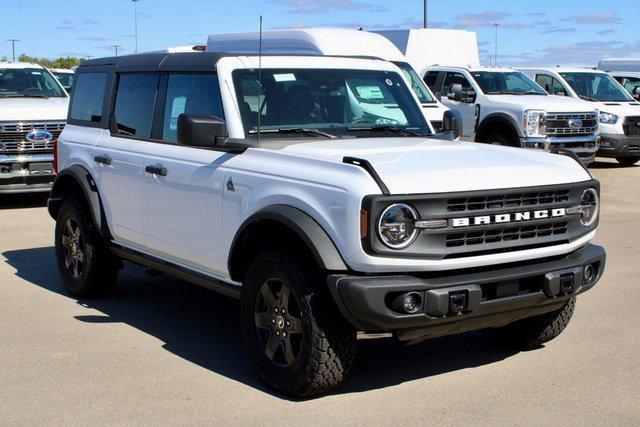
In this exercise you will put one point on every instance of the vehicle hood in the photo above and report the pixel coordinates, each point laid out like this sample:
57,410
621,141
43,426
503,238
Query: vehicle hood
416,165
549,103
29,109
621,109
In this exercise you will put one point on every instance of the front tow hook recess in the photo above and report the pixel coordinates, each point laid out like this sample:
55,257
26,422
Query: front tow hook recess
457,302
567,283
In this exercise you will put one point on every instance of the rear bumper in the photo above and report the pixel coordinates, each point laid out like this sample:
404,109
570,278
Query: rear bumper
24,173
585,147
494,297
616,145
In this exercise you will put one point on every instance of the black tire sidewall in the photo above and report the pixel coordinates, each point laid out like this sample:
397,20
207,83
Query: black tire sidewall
628,161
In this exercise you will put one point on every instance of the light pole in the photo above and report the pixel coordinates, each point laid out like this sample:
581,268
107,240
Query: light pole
425,13
495,60
116,46
13,47
135,12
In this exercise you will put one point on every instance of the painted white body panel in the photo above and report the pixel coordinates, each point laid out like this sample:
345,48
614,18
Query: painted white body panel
190,217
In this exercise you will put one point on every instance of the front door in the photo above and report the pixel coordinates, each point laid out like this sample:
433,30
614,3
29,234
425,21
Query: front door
183,185
466,107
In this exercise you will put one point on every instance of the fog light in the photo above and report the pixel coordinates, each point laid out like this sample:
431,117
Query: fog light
411,302
588,273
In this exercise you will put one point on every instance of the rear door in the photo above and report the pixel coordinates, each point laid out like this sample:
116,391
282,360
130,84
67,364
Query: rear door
120,155
183,185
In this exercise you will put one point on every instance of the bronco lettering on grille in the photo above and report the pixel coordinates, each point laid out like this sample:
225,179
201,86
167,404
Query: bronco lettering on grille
509,217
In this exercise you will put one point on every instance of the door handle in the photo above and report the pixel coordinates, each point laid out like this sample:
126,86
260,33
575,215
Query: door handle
156,170
104,160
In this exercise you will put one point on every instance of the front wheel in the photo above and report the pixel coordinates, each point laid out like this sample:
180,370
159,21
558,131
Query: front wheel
499,140
628,161
296,338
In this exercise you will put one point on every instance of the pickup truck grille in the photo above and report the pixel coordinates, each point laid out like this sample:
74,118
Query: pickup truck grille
13,136
631,126
485,222
558,124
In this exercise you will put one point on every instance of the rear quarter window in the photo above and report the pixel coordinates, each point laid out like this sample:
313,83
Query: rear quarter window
88,97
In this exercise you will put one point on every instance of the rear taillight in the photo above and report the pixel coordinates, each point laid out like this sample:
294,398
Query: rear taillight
55,156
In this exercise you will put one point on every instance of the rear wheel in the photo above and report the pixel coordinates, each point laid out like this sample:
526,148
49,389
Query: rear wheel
628,161
86,266
295,337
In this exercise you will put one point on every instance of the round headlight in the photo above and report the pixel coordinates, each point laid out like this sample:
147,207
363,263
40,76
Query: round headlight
589,207
395,226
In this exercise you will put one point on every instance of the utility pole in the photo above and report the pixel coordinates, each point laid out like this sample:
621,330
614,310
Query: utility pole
495,60
13,47
135,12
116,46
425,13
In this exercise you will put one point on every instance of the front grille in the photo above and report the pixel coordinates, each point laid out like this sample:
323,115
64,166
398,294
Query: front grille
507,200
558,124
631,126
13,136
506,234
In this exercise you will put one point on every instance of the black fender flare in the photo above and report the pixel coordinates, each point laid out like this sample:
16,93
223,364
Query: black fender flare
83,178
312,234
503,118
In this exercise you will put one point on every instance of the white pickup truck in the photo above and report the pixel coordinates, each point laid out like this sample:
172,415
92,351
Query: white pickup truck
33,110
619,112
503,106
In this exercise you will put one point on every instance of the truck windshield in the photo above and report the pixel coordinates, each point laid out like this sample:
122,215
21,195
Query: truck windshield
418,86
596,87
506,83
319,102
28,82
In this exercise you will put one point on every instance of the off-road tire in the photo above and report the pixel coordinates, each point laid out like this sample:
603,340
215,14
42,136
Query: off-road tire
532,332
499,140
328,341
99,271
628,161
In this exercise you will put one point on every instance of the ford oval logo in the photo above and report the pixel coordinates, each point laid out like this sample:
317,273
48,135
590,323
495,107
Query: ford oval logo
575,124
39,136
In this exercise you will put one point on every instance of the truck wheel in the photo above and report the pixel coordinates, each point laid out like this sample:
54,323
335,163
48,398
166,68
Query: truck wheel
296,338
499,140
86,266
532,332
628,161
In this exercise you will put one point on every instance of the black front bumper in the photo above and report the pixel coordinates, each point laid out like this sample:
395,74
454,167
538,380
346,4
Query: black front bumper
494,297
615,145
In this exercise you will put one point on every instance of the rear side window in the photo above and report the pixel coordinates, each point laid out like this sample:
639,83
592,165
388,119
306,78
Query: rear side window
88,97
190,94
430,79
134,107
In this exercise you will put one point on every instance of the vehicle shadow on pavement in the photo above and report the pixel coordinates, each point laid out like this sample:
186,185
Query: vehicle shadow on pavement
204,328
610,164
22,201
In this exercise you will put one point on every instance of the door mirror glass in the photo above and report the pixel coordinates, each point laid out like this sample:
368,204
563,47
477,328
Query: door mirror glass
452,123
636,92
195,130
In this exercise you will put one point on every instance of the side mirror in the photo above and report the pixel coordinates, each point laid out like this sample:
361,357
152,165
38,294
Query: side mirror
636,92
455,92
195,130
452,123
560,92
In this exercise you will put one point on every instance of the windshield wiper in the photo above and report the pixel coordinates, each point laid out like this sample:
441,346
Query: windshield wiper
294,130
588,98
515,93
384,128
23,95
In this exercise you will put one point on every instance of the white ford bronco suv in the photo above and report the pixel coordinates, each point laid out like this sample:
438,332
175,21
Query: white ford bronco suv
619,111
264,178
33,109
503,106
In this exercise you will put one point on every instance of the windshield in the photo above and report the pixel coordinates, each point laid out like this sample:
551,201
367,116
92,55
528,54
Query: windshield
65,79
596,87
26,82
337,102
418,86
509,83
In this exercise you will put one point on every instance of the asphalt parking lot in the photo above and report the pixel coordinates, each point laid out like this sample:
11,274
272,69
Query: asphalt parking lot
163,351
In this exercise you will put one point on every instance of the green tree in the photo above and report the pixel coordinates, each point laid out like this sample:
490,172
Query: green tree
68,62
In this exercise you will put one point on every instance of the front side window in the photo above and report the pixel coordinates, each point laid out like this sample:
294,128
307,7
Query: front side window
630,83
455,78
506,83
550,85
88,99
417,84
190,94
65,79
338,102
134,107
28,82
597,87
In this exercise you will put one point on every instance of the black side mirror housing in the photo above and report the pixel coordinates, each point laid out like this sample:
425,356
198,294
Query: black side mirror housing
636,92
452,123
196,130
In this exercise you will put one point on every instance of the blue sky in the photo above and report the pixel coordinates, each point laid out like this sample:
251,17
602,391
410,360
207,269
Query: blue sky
545,32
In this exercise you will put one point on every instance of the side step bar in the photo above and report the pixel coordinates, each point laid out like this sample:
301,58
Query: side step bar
176,271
